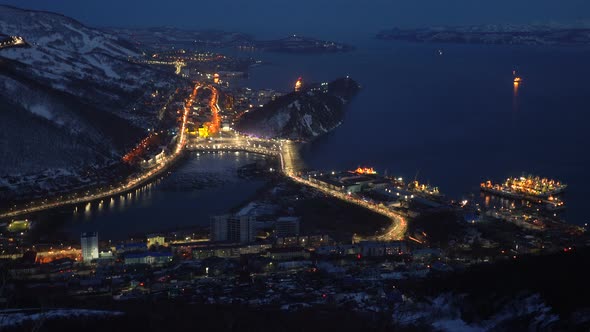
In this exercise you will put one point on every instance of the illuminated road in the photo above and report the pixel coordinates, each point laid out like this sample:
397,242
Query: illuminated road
215,124
236,142
128,184
289,159
284,150
290,163
12,42
398,227
177,64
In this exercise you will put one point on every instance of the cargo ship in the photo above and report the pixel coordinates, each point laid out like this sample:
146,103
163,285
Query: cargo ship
532,188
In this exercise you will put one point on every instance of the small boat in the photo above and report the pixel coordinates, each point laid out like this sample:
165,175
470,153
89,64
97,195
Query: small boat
517,79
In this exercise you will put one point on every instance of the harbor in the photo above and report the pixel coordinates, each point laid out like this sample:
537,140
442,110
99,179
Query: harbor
530,188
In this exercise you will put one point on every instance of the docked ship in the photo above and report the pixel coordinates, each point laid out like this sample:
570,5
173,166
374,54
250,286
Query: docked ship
533,188
423,188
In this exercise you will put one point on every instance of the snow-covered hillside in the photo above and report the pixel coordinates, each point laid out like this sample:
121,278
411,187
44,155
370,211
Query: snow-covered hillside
68,56
523,312
301,115
69,97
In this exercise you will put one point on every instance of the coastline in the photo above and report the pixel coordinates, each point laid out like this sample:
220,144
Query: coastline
95,197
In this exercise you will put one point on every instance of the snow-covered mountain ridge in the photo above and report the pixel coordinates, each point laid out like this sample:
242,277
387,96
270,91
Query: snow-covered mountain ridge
69,97
68,56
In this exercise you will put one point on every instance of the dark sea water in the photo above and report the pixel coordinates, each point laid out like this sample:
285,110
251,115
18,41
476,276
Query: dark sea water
454,119
197,188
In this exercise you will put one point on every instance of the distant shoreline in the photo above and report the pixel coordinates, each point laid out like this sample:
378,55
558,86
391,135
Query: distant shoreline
493,35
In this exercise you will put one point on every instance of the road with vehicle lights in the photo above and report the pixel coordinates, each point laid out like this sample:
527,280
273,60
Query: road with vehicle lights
126,185
285,150
287,153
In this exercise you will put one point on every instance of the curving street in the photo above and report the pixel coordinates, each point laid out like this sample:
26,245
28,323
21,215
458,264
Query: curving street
398,227
285,150
126,185
289,160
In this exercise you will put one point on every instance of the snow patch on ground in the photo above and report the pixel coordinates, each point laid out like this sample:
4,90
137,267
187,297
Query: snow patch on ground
308,121
444,314
455,325
41,110
296,104
246,209
12,318
279,120
106,68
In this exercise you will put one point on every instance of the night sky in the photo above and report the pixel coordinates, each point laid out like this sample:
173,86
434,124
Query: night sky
322,18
